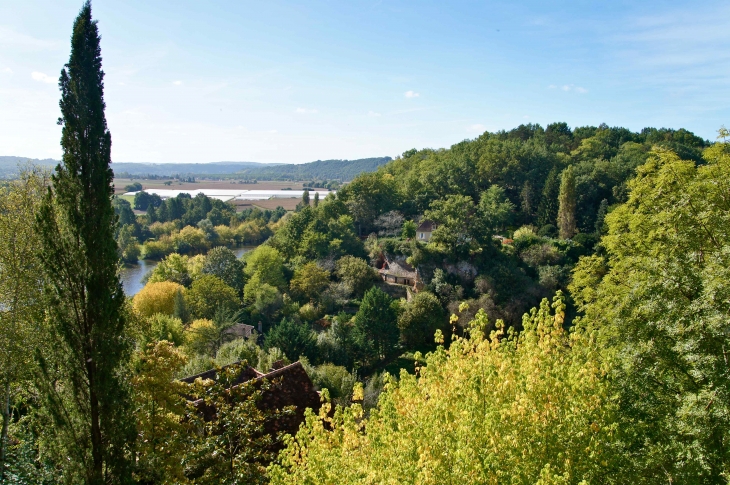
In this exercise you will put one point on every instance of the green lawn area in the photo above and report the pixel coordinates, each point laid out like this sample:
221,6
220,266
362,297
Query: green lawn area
128,198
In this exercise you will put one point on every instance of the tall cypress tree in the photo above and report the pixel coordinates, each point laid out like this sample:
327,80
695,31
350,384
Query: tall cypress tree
90,401
547,212
567,200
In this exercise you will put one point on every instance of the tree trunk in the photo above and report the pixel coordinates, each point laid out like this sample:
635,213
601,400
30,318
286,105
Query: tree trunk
4,435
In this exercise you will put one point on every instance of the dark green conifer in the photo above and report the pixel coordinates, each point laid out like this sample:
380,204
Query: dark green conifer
88,398
547,211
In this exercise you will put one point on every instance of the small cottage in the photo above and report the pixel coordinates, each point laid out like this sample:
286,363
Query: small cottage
399,273
424,231
240,330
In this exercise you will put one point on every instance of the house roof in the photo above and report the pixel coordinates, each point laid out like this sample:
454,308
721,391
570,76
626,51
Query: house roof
398,268
427,226
290,386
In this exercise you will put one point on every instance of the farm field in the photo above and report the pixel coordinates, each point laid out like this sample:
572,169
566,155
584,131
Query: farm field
121,183
288,204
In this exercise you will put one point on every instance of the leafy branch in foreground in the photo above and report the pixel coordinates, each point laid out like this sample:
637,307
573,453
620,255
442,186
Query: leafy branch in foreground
508,408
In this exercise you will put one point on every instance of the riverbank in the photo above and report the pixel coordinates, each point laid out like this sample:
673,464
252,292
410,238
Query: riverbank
133,275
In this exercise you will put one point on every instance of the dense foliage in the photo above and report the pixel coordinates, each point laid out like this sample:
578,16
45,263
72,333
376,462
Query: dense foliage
658,298
519,408
417,299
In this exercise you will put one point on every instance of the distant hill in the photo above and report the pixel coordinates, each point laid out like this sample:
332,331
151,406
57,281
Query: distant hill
342,170
196,169
9,165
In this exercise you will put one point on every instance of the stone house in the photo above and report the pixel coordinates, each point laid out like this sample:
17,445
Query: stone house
425,230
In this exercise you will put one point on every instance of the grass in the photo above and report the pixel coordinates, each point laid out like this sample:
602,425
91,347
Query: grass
128,198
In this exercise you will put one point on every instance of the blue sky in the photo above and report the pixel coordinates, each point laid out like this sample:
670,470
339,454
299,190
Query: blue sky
275,81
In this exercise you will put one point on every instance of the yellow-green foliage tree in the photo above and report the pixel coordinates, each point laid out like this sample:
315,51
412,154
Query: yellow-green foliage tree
156,298
173,268
520,409
658,299
195,335
20,292
267,263
309,281
209,293
160,411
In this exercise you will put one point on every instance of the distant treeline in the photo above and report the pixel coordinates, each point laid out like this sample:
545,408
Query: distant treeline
340,170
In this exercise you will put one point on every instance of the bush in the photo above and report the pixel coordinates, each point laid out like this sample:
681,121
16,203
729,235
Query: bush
548,230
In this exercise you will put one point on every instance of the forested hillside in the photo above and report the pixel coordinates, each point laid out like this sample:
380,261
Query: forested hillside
633,391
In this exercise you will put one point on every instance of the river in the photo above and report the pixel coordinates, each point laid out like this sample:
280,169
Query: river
133,274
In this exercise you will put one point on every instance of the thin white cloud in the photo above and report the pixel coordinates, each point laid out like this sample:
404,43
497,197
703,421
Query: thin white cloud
412,94
570,87
373,113
12,38
177,83
477,128
44,78
305,111
7,70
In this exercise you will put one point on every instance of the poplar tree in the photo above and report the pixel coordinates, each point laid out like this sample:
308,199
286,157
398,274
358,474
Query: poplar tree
87,397
567,200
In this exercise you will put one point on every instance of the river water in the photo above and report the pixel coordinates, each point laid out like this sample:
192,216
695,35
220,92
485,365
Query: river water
133,274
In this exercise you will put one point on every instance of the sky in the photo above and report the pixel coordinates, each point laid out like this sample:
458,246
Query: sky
279,81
